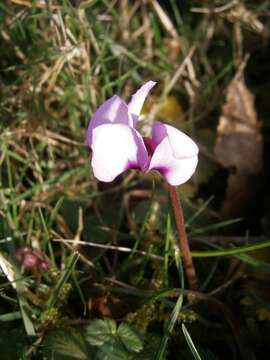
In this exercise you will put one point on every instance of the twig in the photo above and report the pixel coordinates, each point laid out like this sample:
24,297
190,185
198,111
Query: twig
81,256
215,10
167,89
110,247
165,20
179,71
182,237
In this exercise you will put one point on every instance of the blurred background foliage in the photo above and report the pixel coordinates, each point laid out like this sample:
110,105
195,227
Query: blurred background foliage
74,250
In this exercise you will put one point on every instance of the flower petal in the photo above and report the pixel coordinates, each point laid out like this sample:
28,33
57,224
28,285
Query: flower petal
136,103
114,110
116,148
175,156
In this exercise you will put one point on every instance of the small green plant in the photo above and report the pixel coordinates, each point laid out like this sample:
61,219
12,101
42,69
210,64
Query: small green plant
112,342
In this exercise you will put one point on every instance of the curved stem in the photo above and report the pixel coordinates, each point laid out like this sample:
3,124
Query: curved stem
182,238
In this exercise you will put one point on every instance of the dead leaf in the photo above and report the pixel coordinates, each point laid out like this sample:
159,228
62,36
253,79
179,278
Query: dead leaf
107,305
101,305
239,147
8,269
240,13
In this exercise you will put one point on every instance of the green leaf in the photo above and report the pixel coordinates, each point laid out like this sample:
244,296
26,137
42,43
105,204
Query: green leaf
100,331
112,350
65,344
129,337
113,343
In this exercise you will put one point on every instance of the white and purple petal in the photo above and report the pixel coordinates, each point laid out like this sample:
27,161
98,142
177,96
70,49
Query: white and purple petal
116,148
175,155
137,100
114,110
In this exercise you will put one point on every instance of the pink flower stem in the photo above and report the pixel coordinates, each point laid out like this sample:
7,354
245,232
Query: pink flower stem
182,238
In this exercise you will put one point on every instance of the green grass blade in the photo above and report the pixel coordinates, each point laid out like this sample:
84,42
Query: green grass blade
177,308
234,251
63,279
166,251
15,315
47,236
199,211
179,266
80,292
169,328
216,226
190,343
25,310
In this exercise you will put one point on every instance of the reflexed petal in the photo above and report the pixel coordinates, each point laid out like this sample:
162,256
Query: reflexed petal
114,110
176,155
136,103
182,145
116,148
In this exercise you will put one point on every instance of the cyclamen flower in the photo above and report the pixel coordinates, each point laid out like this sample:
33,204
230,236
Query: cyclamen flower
117,145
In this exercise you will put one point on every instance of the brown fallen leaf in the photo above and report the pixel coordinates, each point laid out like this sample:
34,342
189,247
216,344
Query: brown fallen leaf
239,147
107,305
